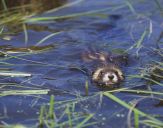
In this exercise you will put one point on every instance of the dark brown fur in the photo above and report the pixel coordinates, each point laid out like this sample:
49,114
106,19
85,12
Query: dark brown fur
106,67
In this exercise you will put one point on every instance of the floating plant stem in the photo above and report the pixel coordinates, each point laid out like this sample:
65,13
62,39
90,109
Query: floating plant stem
47,37
140,41
14,74
152,124
130,6
149,79
36,19
84,121
141,92
65,6
24,92
138,44
30,49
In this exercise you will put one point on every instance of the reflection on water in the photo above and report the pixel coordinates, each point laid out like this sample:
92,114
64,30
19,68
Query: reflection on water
31,49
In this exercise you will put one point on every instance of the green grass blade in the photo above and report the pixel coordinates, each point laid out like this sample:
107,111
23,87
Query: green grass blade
41,116
25,34
70,15
51,107
159,6
69,4
140,41
130,6
153,124
4,5
126,105
84,121
69,116
139,76
1,30
141,92
47,37
136,119
24,92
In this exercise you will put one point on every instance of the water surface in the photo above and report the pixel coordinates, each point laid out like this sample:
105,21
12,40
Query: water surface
116,29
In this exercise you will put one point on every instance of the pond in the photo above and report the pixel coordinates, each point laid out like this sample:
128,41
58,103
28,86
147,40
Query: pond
41,51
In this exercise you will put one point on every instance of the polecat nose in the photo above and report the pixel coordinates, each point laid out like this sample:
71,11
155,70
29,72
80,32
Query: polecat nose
111,77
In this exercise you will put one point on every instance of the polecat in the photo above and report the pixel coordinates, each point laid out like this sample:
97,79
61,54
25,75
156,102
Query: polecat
107,71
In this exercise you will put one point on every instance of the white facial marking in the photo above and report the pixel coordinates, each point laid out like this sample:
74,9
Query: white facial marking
120,74
106,77
115,79
96,73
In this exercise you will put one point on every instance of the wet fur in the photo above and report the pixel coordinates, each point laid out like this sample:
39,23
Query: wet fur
105,63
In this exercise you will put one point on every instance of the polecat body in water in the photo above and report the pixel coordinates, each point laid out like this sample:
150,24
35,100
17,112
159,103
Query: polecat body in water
105,72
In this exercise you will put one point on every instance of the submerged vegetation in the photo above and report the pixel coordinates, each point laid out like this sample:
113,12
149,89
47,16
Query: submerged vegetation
68,108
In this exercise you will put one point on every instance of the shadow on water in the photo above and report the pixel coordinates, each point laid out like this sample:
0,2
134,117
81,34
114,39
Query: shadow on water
44,52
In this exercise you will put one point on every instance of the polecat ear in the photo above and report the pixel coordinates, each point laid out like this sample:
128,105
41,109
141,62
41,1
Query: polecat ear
120,59
92,56
88,56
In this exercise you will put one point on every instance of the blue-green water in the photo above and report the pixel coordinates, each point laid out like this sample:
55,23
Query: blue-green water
117,28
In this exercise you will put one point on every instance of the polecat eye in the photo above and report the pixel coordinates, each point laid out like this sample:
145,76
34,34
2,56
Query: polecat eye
116,72
101,73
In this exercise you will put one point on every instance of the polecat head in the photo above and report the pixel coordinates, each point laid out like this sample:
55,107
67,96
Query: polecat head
107,75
